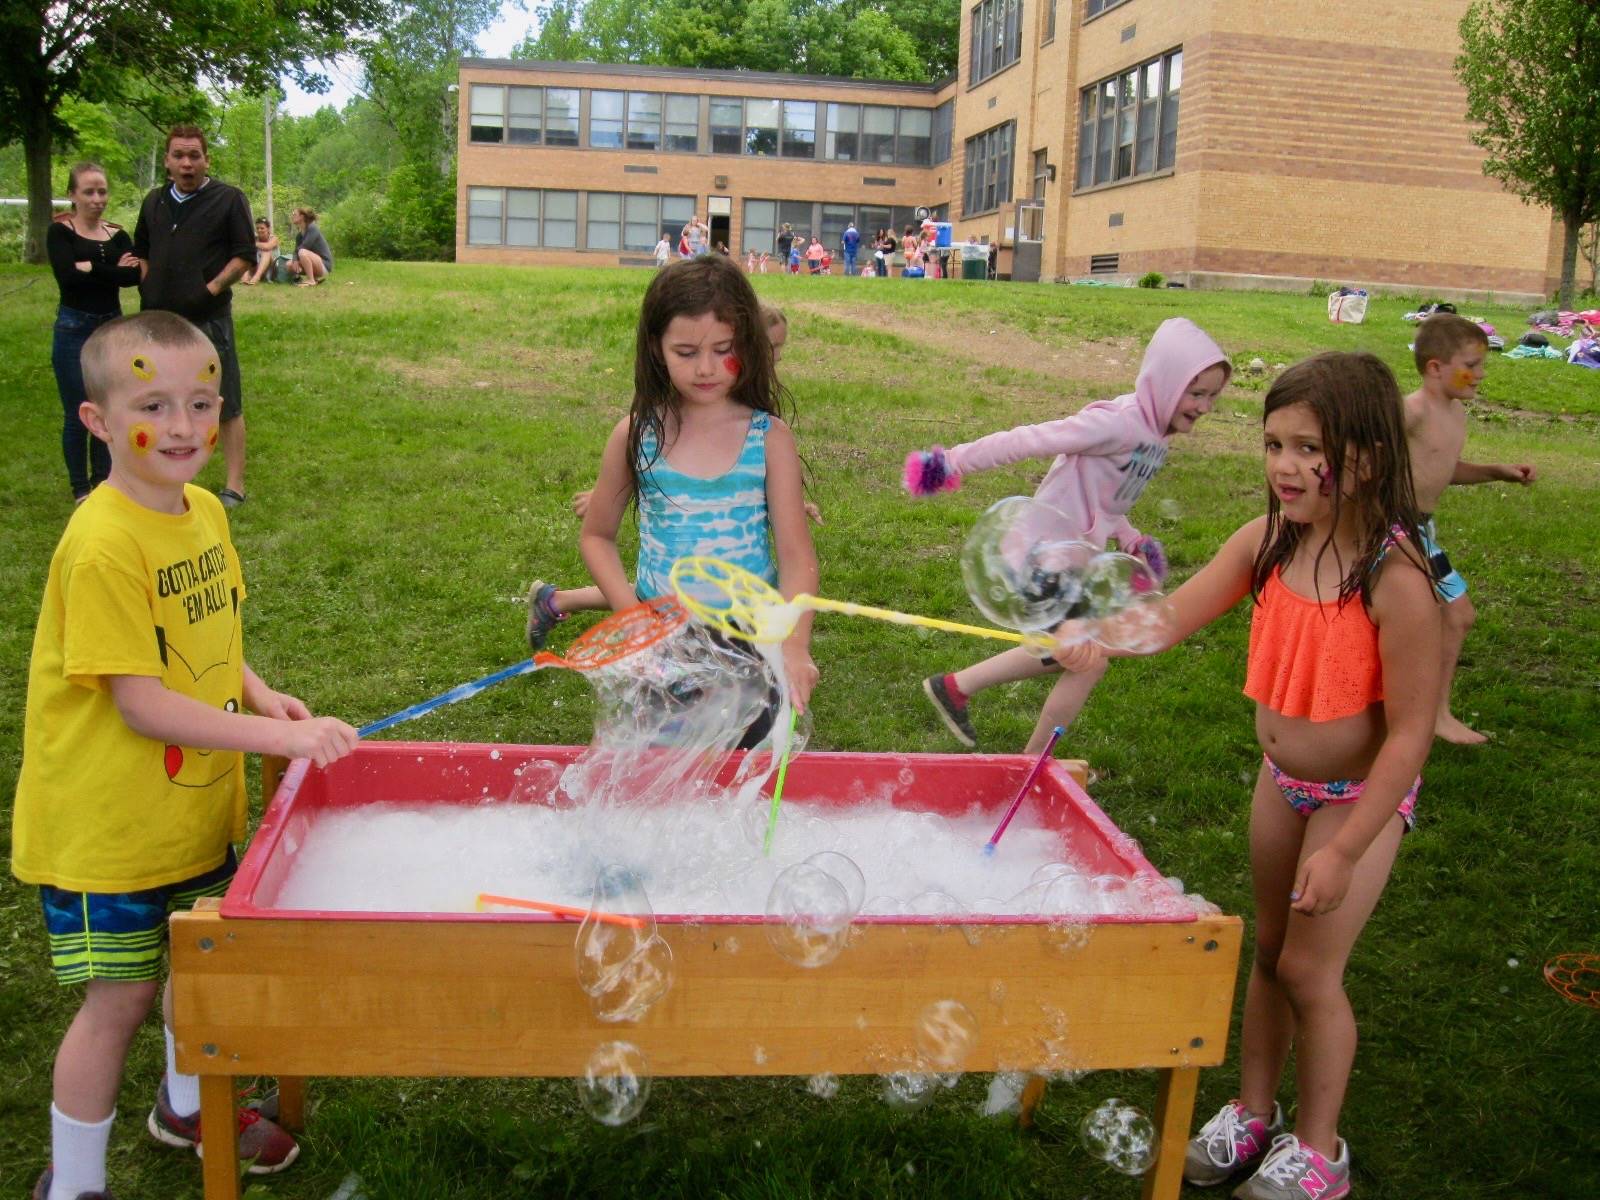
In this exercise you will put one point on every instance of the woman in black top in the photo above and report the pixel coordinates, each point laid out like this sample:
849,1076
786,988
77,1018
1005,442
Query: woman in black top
313,260
92,260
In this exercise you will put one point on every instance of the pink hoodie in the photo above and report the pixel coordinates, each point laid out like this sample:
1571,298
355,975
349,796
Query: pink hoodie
1108,450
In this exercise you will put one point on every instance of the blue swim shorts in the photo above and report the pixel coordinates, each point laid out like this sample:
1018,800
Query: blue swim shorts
120,935
1446,578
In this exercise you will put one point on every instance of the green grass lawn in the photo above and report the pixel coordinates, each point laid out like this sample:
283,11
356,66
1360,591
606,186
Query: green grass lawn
415,434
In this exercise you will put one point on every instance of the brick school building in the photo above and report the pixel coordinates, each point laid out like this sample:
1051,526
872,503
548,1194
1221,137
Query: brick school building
1219,142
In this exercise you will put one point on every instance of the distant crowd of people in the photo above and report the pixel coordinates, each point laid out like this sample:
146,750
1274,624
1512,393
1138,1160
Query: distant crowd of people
914,253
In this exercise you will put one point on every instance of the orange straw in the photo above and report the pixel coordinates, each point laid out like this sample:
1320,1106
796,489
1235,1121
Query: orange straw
560,910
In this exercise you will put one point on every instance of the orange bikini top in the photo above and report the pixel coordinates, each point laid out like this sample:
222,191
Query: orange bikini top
1312,660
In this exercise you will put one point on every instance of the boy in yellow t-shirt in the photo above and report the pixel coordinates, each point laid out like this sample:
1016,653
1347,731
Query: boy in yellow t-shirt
132,785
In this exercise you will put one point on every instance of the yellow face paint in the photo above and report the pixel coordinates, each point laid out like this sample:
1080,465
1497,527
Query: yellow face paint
142,438
143,368
211,441
209,371
1463,380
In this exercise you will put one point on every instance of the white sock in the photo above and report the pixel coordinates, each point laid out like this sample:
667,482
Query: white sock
183,1091
77,1155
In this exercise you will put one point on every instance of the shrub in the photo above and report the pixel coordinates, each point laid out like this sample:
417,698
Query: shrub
1321,287
1152,279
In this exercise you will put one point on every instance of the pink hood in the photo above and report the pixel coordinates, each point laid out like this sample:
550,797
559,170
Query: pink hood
1108,450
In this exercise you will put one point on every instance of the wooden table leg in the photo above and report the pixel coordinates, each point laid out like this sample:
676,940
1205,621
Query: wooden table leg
220,1162
1032,1093
292,1102
1174,1112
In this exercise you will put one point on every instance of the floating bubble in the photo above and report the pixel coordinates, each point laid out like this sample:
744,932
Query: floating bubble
934,903
842,868
808,915
1145,625
1023,564
910,1089
1113,580
824,1086
635,989
1113,894
615,1083
623,964
1120,1136
1169,509
946,1033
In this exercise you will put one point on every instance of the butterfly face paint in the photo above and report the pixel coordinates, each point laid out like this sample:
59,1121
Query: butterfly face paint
1324,479
143,368
142,438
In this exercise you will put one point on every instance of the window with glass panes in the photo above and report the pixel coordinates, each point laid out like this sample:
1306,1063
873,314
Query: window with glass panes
996,37
605,120
683,123
877,134
561,220
485,206
799,129
487,121
1093,8
761,127
915,144
603,229
988,173
727,125
1049,22
561,116
675,214
760,226
834,219
522,216
525,115
1128,124
801,217
943,131
644,122
844,131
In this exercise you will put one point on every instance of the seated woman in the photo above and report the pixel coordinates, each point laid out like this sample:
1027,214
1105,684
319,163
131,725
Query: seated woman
313,260
266,251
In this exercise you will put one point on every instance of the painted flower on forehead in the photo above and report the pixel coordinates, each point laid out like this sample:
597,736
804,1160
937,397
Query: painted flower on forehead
142,368
142,438
209,371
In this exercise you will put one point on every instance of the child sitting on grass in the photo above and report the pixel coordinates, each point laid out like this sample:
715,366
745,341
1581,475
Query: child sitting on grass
1344,670
131,792
1450,353
1104,455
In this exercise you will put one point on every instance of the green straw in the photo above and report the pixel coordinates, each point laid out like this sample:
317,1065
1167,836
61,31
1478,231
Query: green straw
777,790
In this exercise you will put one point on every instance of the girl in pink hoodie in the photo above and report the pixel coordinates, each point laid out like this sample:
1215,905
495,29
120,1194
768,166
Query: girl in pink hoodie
1104,455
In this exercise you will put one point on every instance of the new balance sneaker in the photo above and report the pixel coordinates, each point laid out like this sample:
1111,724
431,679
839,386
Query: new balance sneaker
1228,1143
1292,1170
952,712
542,613
264,1147
41,1190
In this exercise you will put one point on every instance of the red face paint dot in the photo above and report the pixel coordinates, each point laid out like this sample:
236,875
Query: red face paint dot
731,365
174,761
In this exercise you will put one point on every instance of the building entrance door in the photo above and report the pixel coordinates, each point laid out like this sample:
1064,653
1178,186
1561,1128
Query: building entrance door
1027,254
719,232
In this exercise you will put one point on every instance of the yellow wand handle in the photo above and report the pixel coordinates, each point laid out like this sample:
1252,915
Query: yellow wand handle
1034,641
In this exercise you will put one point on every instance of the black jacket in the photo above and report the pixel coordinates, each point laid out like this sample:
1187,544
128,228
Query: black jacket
188,244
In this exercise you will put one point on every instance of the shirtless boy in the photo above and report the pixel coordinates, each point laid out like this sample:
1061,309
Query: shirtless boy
1450,354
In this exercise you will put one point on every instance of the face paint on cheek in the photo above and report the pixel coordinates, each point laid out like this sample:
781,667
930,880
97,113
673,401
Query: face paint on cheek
211,438
1324,479
142,368
1463,380
732,366
142,438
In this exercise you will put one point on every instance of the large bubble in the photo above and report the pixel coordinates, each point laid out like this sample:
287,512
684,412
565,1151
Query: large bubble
1120,1136
946,1034
1024,564
615,1083
808,915
623,964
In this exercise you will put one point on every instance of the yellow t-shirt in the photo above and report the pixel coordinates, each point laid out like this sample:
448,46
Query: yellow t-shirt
131,591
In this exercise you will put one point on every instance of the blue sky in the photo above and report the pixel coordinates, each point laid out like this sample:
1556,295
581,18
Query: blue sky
508,30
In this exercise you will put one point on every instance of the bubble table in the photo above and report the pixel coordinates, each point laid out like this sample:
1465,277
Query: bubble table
261,990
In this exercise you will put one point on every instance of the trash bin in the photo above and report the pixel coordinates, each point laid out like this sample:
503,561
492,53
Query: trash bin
974,262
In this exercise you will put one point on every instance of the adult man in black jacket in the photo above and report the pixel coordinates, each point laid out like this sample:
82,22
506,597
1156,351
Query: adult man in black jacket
195,240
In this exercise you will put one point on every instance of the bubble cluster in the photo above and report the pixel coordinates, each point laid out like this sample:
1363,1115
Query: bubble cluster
810,907
946,1034
824,1086
909,1089
624,965
1120,1136
615,1083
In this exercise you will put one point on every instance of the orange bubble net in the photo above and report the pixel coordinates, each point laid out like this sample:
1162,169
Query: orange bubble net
621,634
1575,976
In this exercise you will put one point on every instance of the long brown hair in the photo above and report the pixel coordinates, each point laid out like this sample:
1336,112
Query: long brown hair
1357,404
691,288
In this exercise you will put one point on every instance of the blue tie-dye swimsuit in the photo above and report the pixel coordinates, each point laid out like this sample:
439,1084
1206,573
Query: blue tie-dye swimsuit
682,515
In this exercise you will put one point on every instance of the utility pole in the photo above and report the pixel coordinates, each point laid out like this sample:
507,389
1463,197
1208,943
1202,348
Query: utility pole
269,101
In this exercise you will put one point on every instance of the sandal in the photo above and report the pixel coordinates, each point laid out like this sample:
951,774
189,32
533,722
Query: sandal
230,498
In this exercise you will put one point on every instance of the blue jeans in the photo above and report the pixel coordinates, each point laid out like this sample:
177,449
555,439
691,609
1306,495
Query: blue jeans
849,262
88,460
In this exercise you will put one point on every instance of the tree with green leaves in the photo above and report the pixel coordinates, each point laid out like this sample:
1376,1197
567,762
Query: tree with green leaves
97,50
1532,76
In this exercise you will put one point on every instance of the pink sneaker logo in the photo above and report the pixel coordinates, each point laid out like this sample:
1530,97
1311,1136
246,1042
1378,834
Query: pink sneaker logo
1312,1183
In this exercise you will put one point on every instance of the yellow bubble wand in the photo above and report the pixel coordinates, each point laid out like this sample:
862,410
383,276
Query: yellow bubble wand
733,601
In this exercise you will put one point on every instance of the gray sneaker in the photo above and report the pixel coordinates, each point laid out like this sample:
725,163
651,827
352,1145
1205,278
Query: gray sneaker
1230,1142
1292,1170
952,714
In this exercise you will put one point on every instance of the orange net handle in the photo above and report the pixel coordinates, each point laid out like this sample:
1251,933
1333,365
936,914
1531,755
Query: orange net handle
1575,976
621,634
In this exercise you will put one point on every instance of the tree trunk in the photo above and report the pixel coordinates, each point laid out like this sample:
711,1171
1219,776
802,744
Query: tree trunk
1573,228
36,145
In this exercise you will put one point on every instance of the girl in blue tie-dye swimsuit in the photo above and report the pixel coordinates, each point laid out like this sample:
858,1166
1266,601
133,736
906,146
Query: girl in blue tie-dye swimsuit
703,455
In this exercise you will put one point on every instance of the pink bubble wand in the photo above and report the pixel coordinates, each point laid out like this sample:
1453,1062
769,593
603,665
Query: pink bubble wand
1055,735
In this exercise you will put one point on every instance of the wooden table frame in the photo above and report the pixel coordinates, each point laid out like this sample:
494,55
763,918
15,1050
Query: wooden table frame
296,998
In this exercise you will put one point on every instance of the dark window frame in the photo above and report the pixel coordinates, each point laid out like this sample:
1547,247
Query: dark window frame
1121,139
987,180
